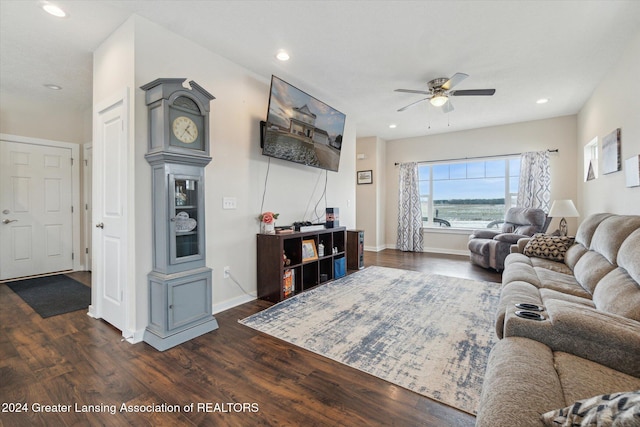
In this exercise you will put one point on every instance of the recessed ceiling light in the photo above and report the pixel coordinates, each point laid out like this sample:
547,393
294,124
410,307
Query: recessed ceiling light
542,101
282,55
54,10
393,126
53,87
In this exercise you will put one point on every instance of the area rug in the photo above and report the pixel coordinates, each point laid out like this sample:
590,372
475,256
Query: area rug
53,295
428,333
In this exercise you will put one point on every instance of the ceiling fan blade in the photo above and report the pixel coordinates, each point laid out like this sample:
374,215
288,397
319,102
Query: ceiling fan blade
448,107
454,80
423,92
412,104
473,92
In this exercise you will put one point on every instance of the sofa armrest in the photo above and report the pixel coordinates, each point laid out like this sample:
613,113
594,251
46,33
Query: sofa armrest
592,334
509,237
516,391
484,234
519,246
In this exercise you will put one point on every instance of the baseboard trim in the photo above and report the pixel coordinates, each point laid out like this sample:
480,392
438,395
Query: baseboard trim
446,251
133,336
442,251
233,302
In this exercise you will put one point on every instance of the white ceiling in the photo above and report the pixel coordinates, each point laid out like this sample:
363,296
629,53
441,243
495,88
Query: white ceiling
350,54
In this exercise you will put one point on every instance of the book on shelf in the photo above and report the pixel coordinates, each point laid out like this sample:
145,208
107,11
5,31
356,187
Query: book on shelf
289,282
284,230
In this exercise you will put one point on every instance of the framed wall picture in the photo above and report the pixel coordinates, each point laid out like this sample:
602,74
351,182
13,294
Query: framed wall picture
591,160
365,177
309,252
611,161
632,171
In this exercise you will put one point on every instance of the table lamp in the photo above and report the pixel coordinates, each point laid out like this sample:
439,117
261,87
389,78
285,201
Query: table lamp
563,208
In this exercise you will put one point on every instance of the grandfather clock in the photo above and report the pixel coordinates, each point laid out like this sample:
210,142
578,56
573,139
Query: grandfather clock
180,304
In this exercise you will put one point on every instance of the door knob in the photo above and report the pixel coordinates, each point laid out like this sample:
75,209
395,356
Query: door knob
7,221
101,225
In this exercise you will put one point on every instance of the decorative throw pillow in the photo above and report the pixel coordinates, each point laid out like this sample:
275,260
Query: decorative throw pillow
617,409
548,246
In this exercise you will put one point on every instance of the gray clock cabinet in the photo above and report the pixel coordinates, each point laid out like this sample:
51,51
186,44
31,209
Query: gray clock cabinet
180,294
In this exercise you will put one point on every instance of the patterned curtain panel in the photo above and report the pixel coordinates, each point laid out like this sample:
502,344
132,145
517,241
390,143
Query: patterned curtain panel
535,181
409,211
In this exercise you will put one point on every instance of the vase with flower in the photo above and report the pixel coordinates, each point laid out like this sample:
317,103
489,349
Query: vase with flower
268,222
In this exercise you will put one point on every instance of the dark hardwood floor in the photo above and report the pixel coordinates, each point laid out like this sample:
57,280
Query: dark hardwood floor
233,376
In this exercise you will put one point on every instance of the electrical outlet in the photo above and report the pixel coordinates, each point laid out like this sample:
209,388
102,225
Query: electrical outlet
226,272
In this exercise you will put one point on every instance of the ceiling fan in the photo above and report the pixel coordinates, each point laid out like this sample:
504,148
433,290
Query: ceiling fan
440,91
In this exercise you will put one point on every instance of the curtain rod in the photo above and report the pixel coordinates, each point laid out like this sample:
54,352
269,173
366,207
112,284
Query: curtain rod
555,150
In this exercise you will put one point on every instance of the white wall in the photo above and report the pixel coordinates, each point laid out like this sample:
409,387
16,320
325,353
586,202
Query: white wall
536,135
614,104
370,207
238,168
59,122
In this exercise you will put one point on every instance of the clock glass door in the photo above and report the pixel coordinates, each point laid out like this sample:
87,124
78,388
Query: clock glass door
186,208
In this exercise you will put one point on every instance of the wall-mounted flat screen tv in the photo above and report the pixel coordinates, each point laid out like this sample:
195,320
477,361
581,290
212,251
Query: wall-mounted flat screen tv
302,129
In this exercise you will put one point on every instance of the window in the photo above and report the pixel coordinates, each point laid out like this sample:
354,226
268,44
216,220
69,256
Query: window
468,194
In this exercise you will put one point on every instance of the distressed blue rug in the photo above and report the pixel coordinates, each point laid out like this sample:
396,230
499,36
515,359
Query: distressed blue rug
428,333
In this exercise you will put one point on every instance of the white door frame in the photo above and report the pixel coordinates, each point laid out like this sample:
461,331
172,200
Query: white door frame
87,151
75,184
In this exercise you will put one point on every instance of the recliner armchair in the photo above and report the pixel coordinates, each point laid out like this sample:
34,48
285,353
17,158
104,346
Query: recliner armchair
489,247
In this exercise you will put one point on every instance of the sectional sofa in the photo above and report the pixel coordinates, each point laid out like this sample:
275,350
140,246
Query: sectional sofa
569,323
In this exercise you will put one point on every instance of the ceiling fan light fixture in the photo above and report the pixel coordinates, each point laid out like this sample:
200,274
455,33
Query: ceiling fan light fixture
438,100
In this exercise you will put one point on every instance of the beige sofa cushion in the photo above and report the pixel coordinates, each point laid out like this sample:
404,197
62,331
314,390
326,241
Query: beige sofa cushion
590,269
573,255
619,294
560,282
629,255
611,233
582,378
547,294
588,227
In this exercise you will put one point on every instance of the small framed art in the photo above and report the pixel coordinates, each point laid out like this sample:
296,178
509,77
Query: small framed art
365,177
632,171
611,161
309,252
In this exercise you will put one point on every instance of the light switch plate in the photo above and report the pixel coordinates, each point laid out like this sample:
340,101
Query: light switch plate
229,203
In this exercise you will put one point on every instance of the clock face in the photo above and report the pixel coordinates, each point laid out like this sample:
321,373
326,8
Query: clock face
185,129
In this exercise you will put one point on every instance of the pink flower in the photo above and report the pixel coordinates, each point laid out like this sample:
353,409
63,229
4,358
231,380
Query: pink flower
268,217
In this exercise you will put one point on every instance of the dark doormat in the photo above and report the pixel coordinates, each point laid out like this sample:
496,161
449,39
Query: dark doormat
53,295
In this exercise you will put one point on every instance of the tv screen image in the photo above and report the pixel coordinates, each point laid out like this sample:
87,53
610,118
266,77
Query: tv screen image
302,129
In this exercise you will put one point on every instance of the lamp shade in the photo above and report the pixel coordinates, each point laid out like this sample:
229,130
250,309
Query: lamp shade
564,209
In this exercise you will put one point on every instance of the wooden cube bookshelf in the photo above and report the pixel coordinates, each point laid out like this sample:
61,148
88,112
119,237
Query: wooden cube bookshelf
306,273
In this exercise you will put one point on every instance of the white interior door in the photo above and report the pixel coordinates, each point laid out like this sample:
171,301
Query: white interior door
35,209
110,181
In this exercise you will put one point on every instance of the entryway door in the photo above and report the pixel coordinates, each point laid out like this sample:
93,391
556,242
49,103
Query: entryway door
36,218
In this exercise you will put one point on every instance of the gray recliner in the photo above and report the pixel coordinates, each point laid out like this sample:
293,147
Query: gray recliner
490,247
